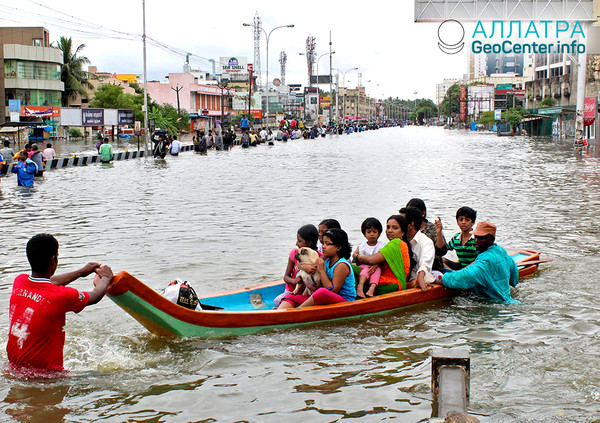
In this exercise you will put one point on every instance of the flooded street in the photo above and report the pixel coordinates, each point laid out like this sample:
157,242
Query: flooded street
229,219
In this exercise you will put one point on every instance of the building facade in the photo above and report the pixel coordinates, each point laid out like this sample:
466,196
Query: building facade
31,70
204,103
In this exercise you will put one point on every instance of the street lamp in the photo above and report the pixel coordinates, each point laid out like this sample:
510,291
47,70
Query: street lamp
344,85
324,54
268,36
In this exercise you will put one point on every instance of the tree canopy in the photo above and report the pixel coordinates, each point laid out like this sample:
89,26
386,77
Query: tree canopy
110,96
72,73
450,105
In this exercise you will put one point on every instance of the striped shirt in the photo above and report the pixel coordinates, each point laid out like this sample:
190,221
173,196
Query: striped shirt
466,253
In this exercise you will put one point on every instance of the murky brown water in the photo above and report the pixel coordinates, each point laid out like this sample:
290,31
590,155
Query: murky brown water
229,219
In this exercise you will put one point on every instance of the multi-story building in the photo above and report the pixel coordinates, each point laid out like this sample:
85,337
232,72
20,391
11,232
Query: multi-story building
442,89
31,71
555,77
353,103
97,79
204,103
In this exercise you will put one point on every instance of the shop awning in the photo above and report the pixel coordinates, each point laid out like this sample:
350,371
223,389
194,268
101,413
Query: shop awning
529,118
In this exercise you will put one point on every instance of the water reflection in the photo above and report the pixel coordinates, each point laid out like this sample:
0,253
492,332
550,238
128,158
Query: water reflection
36,402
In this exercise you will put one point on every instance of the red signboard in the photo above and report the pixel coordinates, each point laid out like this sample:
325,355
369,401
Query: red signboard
463,104
250,67
256,113
40,111
589,111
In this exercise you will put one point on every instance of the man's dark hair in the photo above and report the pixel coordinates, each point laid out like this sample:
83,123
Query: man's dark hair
7,143
40,249
467,212
418,203
413,214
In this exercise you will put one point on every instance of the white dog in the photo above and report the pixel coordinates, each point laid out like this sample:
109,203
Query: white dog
307,255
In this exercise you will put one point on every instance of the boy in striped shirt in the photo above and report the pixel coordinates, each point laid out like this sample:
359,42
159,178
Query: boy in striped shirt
463,243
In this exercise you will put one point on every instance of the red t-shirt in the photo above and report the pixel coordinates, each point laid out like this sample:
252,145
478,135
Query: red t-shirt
36,321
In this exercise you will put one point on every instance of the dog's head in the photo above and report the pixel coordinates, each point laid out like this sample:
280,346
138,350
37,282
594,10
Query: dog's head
307,255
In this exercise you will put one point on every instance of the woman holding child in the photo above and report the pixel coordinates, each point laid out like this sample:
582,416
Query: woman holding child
336,274
394,258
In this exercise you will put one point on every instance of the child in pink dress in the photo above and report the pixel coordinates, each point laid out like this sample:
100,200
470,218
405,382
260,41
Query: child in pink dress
371,229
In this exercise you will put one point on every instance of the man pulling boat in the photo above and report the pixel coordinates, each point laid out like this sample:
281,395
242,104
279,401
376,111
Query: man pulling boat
492,273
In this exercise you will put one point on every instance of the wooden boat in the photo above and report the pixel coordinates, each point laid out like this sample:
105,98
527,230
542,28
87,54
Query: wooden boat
248,310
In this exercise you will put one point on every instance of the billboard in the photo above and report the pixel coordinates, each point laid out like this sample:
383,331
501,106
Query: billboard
92,117
40,111
126,117
233,66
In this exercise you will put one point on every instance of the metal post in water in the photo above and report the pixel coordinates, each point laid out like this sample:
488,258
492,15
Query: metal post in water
450,376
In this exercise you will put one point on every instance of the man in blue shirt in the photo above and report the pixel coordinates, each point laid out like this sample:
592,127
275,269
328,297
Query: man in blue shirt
25,170
492,273
244,123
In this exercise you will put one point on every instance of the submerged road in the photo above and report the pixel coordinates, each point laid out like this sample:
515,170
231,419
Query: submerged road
229,219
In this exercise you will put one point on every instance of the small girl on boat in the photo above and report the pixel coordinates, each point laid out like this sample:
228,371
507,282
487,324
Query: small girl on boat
371,228
307,236
323,226
336,273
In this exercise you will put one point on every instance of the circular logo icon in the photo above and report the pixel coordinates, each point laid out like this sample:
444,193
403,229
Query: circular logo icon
451,34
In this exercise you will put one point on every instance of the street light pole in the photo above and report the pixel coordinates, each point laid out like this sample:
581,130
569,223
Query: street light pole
324,54
146,132
268,36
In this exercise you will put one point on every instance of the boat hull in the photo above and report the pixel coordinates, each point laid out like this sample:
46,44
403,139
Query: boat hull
249,310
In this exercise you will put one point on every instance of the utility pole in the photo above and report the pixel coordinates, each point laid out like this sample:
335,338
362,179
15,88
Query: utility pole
177,89
330,81
146,132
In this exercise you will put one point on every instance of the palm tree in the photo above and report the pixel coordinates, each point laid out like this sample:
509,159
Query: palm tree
72,73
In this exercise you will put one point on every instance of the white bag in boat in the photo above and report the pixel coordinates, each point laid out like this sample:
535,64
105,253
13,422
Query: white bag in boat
183,294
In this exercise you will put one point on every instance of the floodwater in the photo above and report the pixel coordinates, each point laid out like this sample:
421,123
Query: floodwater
229,219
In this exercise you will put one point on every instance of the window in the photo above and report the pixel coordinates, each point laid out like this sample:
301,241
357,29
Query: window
37,42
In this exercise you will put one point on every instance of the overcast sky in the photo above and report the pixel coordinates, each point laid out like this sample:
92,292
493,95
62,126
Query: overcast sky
397,55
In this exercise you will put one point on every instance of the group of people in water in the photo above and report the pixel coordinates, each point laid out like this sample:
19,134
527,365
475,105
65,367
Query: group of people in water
30,162
412,257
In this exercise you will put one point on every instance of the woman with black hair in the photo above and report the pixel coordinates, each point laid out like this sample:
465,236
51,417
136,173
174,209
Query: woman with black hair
336,274
336,271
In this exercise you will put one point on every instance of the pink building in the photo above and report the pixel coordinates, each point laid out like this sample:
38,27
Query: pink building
204,103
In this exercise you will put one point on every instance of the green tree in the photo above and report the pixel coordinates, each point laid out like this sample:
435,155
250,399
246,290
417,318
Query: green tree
425,109
548,102
450,105
514,117
166,117
72,73
487,118
111,96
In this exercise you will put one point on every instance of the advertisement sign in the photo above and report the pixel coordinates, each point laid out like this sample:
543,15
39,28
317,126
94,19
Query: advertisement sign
92,117
40,111
126,117
14,105
463,105
589,111
234,65
498,114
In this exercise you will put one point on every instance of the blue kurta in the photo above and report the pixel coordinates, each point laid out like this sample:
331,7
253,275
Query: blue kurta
490,275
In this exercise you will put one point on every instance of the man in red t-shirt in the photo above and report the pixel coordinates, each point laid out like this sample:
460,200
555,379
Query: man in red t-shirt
39,303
